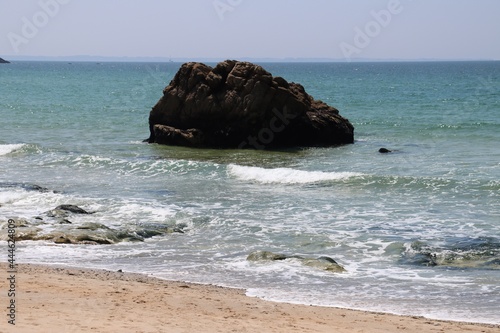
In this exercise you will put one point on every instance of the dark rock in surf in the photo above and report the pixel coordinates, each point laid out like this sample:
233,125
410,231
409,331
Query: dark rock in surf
61,212
384,151
3,61
73,209
241,105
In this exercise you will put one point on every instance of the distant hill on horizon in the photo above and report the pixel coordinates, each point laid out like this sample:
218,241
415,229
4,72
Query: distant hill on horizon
3,61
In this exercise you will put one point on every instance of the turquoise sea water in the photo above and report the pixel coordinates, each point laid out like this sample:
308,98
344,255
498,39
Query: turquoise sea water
417,230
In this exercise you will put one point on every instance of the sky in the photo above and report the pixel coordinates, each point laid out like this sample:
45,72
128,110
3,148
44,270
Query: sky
247,29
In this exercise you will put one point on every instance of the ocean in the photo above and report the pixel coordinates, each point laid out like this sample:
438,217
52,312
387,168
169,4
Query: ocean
417,230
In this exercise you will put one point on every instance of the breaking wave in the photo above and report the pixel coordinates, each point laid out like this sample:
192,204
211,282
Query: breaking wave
286,175
9,148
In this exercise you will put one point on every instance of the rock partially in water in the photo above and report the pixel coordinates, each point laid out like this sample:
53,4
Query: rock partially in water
55,227
24,230
265,256
323,262
467,252
78,236
18,223
148,230
92,226
96,233
3,61
61,213
29,233
72,209
57,213
240,105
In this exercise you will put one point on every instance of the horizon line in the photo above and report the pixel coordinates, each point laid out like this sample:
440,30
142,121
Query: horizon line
92,58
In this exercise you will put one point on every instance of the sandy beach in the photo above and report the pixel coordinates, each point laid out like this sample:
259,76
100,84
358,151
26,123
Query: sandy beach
51,299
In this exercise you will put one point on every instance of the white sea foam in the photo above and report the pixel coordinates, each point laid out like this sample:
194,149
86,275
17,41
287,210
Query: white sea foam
9,148
286,175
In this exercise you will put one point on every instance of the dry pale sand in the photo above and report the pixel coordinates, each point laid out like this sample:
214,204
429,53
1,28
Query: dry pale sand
81,300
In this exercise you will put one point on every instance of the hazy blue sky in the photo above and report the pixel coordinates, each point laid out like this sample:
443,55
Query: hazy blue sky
337,29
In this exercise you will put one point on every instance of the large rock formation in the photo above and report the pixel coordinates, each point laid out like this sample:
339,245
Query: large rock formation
241,105
3,61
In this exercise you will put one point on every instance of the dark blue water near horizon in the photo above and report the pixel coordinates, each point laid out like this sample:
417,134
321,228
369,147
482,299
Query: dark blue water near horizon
418,230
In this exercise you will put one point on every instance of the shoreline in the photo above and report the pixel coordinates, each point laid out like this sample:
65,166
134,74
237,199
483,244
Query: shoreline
51,298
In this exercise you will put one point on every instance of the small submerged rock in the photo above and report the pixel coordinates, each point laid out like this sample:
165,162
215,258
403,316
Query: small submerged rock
323,262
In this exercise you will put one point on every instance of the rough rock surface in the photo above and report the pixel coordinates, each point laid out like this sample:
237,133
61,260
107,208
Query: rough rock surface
54,226
241,105
323,263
